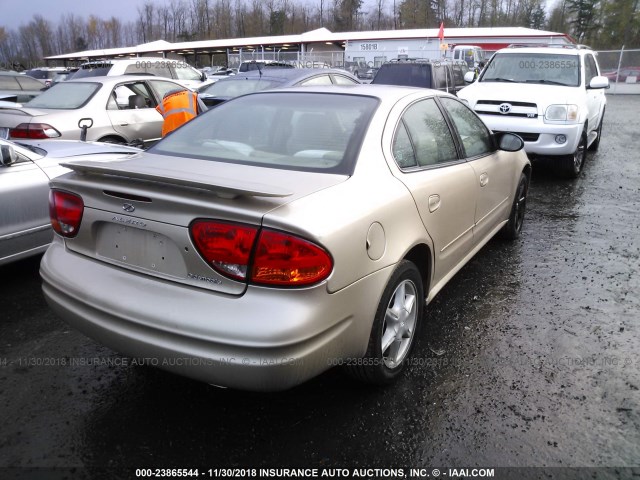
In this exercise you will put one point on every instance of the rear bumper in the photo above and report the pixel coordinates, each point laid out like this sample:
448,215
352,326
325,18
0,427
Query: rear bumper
267,339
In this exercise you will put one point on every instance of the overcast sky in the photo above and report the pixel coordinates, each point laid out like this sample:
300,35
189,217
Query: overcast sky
17,12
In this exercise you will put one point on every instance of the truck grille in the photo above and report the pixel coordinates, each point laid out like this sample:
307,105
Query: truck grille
507,109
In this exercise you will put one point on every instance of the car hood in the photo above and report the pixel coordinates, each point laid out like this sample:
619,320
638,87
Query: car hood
523,92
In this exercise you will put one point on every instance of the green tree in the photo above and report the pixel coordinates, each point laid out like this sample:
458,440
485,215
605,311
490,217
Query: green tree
583,18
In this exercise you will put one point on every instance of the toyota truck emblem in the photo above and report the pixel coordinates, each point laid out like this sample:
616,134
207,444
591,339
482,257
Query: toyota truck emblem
505,108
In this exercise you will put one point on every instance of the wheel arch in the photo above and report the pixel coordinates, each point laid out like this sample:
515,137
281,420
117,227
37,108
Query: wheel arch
113,139
420,255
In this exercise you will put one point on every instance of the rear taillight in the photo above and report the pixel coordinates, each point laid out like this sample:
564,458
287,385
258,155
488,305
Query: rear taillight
264,257
225,246
65,210
38,131
283,259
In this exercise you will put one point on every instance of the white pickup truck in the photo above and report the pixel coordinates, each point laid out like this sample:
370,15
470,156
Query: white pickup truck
553,97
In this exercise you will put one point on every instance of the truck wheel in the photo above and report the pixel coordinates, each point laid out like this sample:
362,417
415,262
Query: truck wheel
571,165
394,327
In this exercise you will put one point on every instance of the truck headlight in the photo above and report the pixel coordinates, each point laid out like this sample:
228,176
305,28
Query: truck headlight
559,113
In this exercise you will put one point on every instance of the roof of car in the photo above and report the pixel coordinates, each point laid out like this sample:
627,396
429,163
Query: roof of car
284,74
555,49
391,93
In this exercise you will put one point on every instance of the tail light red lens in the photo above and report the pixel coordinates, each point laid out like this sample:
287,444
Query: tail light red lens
283,259
267,258
38,131
226,246
65,210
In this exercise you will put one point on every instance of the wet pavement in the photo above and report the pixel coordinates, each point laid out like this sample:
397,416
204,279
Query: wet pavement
529,357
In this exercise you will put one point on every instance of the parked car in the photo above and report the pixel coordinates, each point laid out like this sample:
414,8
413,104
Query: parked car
46,74
25,171
122,110
18,88
64,76
624,74
360,69
177,70
446,76
283,232
254,81
250,65
553,97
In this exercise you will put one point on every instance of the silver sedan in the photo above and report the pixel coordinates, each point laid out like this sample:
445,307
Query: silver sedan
284,232
121,109
25,171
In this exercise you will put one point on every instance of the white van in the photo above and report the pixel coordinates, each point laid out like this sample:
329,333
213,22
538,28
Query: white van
178,70
471,54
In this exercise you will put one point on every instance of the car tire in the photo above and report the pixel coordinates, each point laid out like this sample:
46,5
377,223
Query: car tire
394,328
513,228
571,165
596,143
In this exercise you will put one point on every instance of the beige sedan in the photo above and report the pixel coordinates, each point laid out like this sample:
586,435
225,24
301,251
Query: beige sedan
283,233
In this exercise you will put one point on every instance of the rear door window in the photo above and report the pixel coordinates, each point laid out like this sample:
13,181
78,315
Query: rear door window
429,135
319,80
8,82
28,83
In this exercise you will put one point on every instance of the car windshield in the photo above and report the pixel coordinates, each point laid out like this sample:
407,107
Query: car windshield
542,68
236,87
319,132
65,96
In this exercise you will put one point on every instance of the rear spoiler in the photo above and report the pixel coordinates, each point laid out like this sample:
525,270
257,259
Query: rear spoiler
222,187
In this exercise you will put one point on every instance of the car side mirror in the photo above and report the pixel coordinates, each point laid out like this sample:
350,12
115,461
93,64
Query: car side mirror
8,155
509,142
470,77
203,77
599,82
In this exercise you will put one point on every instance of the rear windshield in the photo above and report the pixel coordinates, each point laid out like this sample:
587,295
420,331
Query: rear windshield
65,96
303,131
93,70
542,68
408,75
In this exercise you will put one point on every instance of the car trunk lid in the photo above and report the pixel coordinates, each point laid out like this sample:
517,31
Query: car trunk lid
137,212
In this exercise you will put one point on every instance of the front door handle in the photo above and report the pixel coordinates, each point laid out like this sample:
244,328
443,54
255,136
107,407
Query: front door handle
484,179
